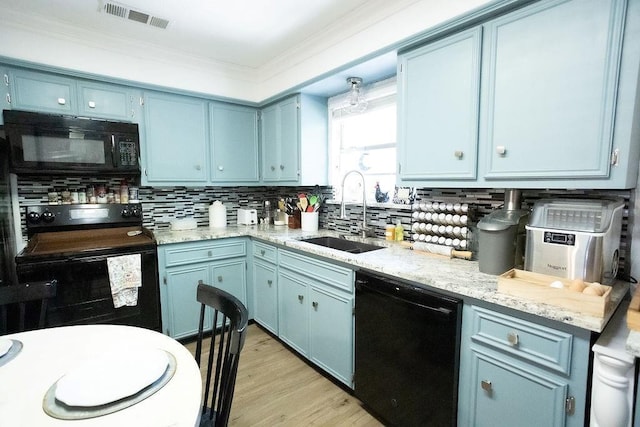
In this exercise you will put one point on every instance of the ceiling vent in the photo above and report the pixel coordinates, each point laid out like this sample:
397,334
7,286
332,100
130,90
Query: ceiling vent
125,12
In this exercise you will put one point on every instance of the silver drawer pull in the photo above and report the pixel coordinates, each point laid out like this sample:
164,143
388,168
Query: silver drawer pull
281,167
300,298
92,104
62,101
315,305
513,339
209,253
458,154
486,385
269,282
219,278
501,150
262,252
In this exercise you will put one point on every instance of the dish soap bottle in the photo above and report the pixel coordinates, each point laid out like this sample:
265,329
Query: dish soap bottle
399,231
390,232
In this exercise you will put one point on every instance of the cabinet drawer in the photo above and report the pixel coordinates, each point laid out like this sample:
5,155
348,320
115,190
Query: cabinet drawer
331,274
265,252
190,253
525,340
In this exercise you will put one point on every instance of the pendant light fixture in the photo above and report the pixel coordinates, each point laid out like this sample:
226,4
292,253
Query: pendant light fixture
356,101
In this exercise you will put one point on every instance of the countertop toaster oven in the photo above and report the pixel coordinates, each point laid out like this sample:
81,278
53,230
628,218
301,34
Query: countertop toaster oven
575,238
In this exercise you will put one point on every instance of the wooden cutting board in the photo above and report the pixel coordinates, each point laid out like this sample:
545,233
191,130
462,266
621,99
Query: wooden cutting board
633,312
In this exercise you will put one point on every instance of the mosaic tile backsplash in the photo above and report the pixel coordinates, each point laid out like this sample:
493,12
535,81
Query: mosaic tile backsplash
161,205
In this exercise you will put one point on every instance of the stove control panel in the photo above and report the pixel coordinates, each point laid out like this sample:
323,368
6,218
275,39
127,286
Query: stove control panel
55,217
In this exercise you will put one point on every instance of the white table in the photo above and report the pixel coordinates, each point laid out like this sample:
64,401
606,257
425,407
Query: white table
48,354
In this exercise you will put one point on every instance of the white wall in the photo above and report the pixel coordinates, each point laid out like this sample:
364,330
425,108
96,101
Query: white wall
60,45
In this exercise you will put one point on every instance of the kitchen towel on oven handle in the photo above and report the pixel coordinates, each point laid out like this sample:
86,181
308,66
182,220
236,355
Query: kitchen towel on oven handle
125,277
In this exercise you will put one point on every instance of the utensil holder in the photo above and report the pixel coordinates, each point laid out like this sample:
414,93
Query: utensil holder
294,220
309,221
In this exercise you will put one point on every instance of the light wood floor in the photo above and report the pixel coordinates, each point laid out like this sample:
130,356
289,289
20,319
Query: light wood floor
275,388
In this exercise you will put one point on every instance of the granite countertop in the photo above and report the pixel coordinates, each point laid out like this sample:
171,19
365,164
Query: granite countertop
456,276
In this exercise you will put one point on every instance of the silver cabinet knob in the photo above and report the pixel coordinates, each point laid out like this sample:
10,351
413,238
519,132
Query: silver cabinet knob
198,167
62,101
262,252
220,168
458,154
219,278
281,167
273,168
501,150
269,282
209,254
513,339
315,305
486,385
92,104
300,298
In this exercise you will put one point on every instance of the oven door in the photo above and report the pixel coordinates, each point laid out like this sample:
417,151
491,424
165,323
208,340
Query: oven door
84,291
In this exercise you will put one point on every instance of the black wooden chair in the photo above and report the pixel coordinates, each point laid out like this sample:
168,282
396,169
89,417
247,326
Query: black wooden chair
21,295
226,343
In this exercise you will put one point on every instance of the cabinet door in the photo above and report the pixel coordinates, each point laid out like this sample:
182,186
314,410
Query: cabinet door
281,141
289,140
107,101
234,142
549,88
176,133
438,109
506,394
270,145
293,316
184,309
266,295
43,92
230,276
331,333
5,94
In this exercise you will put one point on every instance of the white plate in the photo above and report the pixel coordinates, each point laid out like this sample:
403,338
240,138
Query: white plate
111,377
5,346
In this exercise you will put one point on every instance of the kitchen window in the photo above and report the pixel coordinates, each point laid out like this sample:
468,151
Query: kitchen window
364,140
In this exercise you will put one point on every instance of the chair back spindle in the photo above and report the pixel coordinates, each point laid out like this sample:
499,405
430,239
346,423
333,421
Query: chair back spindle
228,332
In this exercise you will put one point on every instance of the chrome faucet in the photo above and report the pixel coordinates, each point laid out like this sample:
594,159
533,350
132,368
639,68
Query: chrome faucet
365,231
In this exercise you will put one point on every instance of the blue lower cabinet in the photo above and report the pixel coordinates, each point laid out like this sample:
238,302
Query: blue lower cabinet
315,312
182,308
293,314
515,372
221,263
265,289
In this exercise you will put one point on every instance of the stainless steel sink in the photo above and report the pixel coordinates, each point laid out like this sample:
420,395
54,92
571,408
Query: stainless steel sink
342,244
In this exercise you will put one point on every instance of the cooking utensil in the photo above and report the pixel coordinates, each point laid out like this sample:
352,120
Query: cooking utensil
441,250
303,204
313,199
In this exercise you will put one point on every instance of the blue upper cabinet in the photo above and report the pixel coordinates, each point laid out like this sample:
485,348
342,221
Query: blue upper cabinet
108,101
438,107
175,140
555,107
550,82
234,143
280,142
34,91
294,141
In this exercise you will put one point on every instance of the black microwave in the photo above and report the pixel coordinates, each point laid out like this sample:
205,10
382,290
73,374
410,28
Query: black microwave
45,144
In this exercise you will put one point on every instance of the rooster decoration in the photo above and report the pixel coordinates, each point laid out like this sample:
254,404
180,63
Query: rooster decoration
380,196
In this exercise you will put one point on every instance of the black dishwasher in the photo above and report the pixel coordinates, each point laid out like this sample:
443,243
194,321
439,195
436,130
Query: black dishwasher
407,352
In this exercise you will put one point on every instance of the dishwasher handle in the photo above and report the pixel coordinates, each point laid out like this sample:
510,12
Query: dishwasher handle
389,289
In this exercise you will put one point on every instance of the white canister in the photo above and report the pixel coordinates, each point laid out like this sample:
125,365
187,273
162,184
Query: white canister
217,215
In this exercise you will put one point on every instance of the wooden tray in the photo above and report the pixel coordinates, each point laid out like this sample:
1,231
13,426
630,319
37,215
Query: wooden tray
633,312
536,287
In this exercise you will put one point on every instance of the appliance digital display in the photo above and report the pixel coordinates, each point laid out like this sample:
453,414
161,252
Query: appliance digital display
560,238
